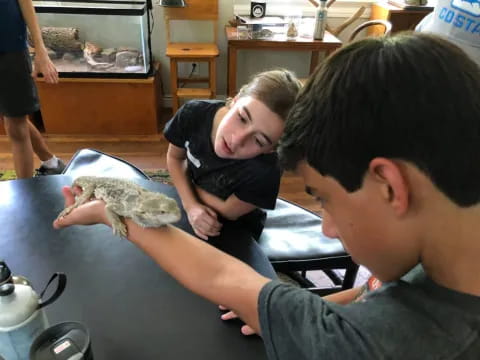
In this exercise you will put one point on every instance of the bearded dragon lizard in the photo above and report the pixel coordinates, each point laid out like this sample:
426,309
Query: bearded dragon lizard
125,199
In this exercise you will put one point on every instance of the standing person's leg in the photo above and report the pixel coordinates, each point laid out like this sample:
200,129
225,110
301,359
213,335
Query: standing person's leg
38,143
22,151
18,98
51,165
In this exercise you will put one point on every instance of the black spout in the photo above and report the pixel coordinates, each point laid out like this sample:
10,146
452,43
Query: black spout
5,273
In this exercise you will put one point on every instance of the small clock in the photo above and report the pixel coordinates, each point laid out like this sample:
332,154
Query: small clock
258,9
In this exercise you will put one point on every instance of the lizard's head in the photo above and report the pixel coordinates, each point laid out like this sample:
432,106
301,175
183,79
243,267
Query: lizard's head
81,181
156,210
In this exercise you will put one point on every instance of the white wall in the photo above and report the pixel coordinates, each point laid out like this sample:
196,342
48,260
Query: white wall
249,61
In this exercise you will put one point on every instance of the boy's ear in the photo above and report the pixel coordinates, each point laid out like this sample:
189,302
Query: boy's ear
392,181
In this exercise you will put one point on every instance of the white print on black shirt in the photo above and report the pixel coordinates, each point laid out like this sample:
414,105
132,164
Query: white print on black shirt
192,158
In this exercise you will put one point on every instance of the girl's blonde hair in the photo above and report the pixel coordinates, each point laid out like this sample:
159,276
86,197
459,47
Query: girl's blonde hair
277,89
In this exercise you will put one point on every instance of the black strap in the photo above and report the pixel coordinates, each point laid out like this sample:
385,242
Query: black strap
62,283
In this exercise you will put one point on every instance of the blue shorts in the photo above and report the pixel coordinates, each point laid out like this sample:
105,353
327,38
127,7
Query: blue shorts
18,93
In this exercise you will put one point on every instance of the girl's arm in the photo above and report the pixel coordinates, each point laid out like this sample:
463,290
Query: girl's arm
231,209
176,164
202,218
348,296
43,64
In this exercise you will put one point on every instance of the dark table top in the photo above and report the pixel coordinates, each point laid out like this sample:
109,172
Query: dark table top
133,309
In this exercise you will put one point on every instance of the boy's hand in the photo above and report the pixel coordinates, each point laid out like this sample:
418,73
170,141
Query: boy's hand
93,212
44,65
204,221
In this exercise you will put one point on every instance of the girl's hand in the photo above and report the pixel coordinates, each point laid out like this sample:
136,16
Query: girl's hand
44,65
93,212
204,221
229,315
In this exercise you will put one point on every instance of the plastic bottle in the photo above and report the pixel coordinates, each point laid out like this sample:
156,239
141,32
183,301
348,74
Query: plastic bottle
22,317
320,20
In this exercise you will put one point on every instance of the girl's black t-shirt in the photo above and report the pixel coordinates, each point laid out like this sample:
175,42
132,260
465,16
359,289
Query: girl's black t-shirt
255,180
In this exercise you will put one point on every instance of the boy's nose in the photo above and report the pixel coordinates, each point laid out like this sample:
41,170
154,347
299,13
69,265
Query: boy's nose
328,226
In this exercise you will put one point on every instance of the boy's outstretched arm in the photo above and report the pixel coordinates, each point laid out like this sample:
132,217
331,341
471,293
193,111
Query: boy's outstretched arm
43,64
343,297
205,270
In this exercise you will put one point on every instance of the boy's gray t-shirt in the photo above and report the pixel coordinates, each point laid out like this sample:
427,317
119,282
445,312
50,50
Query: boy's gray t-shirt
406,319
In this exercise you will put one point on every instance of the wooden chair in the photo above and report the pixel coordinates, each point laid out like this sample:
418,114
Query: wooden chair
384,25
198,10
387,27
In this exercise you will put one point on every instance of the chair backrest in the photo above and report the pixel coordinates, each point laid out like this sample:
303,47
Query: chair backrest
91,162
293,241
199,10
387,26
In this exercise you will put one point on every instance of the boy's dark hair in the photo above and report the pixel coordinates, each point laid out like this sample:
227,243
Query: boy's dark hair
413,97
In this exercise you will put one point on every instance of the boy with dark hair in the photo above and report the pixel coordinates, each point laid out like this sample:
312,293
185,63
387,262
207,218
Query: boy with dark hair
18,93
389,148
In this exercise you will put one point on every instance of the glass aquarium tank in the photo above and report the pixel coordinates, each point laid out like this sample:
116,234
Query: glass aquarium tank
97,38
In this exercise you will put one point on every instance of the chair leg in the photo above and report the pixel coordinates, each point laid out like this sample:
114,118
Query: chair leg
301,280
350,276
212,83
174,84
337,280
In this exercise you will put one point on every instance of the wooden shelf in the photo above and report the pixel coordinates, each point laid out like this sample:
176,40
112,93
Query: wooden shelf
94,106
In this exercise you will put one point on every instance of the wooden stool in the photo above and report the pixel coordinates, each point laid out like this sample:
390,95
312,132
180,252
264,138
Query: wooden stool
203,10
